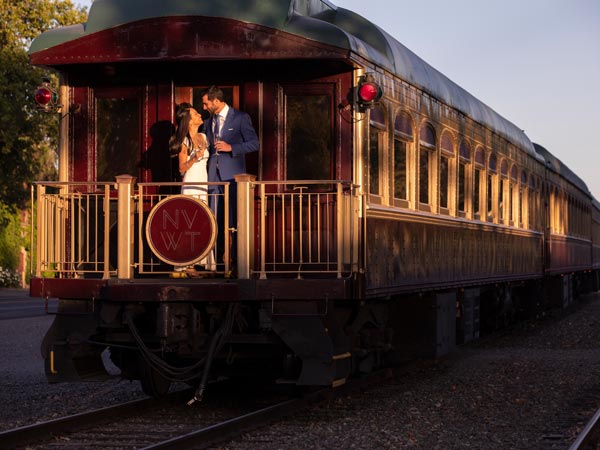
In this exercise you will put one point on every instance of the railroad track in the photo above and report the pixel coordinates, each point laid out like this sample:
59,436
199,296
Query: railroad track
170,423
589,438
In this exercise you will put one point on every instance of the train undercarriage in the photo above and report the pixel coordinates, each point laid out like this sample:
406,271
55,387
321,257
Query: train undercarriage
317,342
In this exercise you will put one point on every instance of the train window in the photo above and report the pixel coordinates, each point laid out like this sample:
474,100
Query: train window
478,182
444,181
118,146
532,205
522,200
376,139
503,196
513,197
374,161
477,176
491,177
308,136
400,179
403,125
464,158
462,178
424,175
403,135
447,152
426,152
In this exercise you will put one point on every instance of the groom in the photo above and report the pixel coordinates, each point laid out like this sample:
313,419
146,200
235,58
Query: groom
230,136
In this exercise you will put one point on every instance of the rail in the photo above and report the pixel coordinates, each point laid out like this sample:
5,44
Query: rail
589,438
98,229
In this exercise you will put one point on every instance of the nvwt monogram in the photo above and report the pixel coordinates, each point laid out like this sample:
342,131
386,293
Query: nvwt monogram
173,231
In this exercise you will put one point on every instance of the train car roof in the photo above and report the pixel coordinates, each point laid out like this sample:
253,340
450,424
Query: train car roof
559,167
317,20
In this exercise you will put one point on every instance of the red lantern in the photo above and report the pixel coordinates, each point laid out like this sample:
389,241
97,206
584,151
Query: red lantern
46,97
43,96
368,93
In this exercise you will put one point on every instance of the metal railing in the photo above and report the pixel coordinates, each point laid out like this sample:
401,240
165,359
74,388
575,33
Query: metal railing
71,236
97,229
306,227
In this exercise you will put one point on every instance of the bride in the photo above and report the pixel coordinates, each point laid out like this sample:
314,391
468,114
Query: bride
191,146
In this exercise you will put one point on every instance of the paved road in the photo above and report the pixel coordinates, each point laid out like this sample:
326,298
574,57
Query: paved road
16,303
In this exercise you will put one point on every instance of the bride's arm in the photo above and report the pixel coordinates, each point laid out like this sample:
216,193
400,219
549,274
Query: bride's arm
185,161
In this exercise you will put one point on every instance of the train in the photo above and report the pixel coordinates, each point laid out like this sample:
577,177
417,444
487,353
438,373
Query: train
388,214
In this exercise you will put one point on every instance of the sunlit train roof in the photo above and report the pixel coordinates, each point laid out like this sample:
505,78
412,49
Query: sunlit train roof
317,20
557,166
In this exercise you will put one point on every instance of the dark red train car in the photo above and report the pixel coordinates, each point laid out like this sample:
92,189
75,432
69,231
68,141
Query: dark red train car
387,213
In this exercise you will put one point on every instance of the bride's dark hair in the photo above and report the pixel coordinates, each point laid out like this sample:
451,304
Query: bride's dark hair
182,121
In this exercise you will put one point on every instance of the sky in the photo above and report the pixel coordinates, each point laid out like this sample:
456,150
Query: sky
535,62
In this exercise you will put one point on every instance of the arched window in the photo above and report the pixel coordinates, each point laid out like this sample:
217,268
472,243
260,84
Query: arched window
426,159
403,138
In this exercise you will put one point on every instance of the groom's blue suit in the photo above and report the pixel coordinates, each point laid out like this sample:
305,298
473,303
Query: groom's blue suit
237,131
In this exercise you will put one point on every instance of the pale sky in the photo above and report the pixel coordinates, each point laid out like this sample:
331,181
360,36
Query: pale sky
536,62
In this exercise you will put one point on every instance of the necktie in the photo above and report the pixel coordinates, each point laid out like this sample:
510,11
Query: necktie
216,126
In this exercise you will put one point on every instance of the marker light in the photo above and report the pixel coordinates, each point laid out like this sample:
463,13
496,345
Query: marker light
368,93
43,96
46,97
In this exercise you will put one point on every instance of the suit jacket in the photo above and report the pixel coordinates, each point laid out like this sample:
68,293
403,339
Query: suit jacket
237,130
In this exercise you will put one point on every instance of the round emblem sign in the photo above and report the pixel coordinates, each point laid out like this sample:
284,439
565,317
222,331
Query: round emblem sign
181,230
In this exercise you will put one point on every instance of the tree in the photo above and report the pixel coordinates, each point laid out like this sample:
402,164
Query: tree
28,138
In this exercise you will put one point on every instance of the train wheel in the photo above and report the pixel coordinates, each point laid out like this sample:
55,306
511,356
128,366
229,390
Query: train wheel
153,383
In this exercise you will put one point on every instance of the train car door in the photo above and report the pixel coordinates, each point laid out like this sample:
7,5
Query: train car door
304,143
309,133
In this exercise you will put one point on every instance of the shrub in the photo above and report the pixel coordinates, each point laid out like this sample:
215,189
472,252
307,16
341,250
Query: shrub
9,278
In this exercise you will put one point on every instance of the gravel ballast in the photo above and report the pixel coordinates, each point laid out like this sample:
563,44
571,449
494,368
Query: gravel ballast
533,388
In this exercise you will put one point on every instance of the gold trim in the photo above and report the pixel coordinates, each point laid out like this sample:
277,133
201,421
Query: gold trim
342,356
52,370
338,383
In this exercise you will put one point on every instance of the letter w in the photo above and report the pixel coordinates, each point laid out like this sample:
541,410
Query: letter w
169,239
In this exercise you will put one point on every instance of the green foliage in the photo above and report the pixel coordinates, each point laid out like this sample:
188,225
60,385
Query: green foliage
28,138
13,237
24,20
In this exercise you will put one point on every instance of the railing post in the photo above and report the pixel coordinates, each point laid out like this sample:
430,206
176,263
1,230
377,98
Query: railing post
245,210
263,246
340,228
124,226
42,231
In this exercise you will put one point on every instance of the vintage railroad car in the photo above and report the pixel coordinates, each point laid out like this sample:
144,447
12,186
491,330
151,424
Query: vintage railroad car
387,214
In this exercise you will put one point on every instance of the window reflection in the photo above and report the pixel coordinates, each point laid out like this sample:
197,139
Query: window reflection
400,169
444,186
308,134
118,137
374,161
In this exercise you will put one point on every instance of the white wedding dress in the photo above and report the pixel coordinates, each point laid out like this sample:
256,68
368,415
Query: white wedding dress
198,173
